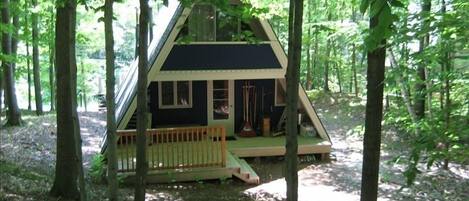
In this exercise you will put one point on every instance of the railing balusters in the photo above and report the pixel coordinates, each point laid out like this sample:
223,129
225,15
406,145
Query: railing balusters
189,147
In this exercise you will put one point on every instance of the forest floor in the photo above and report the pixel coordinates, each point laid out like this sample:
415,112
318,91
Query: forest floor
27,158
339,179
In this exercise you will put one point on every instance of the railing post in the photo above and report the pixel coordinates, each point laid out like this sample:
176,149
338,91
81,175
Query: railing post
223,147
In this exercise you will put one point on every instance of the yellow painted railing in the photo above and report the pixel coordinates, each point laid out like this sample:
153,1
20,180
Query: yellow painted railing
174,148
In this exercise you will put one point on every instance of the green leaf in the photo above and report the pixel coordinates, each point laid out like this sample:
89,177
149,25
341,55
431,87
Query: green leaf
364,6
376,6
396,3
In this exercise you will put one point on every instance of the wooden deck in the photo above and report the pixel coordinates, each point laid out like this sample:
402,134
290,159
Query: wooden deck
275,146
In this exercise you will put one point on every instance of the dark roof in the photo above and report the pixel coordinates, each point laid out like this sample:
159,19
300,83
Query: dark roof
221,57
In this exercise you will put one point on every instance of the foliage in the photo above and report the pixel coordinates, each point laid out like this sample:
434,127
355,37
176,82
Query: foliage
97,170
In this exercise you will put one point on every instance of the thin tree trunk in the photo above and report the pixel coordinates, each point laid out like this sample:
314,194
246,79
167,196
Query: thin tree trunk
28,65
328,53
337,68
404,92
315,61
447,89
66,171
150,21
142,164
14,38
83,87
373,117
51,63
13,114
137,28
36,67
420,87
111,118
354,69
308,51
295,21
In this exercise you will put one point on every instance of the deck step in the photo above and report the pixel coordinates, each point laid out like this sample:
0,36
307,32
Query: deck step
242,170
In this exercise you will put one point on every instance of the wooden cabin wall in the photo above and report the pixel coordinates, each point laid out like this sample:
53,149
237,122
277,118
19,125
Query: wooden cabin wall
274,112
197,115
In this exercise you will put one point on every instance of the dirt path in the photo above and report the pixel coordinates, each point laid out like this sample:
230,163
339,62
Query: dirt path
340,179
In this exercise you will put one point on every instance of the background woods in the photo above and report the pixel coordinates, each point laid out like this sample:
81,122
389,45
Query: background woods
59,60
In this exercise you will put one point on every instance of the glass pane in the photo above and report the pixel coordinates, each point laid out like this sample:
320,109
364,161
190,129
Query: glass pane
220,84
221,109
227,27
202,23
167,93
220,94
280,94
183,93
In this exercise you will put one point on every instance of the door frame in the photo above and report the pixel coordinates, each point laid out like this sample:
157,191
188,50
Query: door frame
228,123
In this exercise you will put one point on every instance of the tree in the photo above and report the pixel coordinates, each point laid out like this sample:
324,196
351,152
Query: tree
295,21
66,170
380,23
142,164
51,60
13,113
111,117
36,67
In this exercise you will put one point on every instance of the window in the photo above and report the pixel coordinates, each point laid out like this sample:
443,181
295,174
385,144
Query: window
206,23
279,93
202,23
175,94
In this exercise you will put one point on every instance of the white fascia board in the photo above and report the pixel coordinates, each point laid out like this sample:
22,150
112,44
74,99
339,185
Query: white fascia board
219,75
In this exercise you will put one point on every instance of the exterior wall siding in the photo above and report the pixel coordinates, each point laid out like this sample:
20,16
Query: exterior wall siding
269,108
197,115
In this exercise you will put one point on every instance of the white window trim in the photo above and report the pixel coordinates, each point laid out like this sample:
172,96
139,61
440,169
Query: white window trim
174,105
276,101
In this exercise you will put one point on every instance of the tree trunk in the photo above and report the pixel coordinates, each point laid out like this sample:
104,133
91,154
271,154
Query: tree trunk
111,118
83,87
137,28
295,21
28,65
315,61
142,164
66,170
328,54
15,36
308,52
51,63
420,87
36,67
373,117
13,117
354,69
337,68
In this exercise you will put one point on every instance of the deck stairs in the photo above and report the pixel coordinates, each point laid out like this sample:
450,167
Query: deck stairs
241,169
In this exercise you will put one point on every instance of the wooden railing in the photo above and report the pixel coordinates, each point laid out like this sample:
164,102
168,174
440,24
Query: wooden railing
174,148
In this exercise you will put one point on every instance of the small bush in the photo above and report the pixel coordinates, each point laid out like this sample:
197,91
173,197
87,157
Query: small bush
98,169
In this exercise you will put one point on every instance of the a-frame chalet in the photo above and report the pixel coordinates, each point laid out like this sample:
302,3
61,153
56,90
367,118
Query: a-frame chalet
215,96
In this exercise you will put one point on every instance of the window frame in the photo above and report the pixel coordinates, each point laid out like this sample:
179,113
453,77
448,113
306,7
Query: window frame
175,96
276,94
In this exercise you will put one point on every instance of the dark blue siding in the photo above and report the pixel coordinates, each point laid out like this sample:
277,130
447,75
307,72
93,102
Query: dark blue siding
197,115
228,56
269,107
